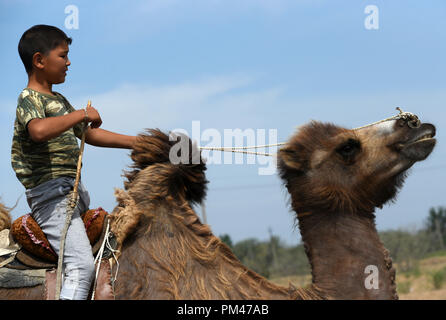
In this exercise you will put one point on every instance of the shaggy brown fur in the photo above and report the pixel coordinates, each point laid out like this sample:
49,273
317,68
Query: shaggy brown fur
5,217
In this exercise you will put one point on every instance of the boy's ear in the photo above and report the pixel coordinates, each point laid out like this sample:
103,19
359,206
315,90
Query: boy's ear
38,60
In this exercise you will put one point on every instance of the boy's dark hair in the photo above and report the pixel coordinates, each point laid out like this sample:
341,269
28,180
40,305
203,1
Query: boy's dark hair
39,38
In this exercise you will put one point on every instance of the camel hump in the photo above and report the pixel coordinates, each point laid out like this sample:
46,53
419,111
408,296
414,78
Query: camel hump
178,161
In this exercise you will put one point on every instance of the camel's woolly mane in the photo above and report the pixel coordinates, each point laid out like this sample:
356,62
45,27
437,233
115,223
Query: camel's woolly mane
154,148
5,217
125,217
155,178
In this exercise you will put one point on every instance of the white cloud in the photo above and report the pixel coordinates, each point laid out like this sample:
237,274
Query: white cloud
132,107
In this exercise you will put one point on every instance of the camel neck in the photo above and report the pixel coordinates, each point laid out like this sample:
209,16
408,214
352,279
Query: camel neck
347,258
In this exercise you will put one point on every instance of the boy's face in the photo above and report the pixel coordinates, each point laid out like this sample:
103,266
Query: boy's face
54,66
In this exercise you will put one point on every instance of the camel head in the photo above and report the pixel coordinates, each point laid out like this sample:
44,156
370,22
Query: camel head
157,173
329,168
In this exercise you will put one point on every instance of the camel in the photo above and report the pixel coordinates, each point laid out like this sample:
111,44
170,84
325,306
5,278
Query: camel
336,177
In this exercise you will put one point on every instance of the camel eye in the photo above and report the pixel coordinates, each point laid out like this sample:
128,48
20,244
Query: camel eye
349,149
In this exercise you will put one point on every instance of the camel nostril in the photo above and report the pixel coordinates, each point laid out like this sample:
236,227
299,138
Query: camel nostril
414,124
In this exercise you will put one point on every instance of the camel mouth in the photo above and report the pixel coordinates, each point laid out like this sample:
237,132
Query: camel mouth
427,138
424,136
421,145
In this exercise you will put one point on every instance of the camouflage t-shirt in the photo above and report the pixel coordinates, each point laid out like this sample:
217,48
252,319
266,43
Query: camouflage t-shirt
38,162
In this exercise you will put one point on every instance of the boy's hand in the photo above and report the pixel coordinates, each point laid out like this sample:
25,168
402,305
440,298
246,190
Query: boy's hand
93,117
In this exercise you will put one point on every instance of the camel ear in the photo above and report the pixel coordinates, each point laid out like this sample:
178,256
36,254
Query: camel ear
293,158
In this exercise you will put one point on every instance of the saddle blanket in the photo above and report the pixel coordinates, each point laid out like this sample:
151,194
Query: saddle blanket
7,243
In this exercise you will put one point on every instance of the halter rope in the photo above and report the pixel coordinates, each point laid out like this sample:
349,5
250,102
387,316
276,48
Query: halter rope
99,256
412,122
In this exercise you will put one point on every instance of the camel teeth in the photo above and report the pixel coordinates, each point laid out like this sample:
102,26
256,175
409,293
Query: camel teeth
426,136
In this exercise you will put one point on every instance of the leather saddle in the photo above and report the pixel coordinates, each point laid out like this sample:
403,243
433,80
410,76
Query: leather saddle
36,251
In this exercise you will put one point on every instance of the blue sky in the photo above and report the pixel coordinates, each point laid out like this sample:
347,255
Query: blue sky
240,64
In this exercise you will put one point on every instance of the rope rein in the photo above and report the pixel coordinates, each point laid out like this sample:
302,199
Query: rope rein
412,122
72,203
411,119
98,259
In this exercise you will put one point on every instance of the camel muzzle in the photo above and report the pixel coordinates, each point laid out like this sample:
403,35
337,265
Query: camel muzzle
421,143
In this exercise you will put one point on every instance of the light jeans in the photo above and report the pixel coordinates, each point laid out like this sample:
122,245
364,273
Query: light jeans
48,202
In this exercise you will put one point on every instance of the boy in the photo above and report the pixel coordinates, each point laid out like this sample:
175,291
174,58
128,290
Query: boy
45,151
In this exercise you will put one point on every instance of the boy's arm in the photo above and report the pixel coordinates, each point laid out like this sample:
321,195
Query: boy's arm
41,130
102,138
44,129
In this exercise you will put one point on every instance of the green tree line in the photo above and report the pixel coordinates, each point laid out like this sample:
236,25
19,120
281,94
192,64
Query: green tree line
273,258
